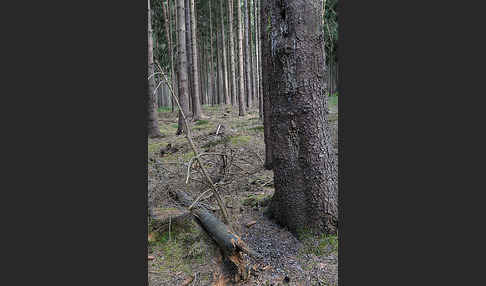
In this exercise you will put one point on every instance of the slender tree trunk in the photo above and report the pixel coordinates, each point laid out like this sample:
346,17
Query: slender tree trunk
266,68
153,130
249,89
224,67
211,66
219,69
241,83
187,7
168,31
176,77
252,56
255,54
232,52
305,174
196,104
259,58
182,67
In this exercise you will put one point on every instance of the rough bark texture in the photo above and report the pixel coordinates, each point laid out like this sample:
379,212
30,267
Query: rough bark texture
241,82
266,68
305,174
232,53
225,68
196,103
182,67
152,124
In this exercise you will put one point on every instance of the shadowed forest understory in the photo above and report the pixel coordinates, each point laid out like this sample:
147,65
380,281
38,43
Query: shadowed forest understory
242,142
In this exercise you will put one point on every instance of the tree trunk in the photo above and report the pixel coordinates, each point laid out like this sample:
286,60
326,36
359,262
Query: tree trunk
224,67
259,71
153,130
305,174
182,67
168,31
175,77
211,66
196,104
249,86
232,53
241,83
219,70
257,58
266,68
187,9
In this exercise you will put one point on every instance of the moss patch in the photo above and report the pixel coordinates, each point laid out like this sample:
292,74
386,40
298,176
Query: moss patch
240,140
257,128
319,245
256,200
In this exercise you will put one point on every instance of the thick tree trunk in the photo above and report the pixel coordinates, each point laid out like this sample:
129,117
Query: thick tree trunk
224,67
249,86
182,67
196,104
232,53
152,123
241,82
305,174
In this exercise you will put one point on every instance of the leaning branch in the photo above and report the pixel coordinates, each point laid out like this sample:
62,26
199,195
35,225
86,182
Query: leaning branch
197,155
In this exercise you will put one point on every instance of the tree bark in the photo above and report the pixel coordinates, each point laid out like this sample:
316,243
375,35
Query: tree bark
249,87
187,9
259,49
183,85
266,69
241,82
232,53
196,104
257,59
305,173
225,68
211,66
153,130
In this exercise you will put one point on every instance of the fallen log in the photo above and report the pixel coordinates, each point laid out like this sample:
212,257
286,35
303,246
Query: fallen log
229,242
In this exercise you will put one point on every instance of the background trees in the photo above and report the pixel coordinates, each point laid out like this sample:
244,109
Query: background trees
265,54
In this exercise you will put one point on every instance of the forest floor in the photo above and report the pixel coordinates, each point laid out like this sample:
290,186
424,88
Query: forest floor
186,255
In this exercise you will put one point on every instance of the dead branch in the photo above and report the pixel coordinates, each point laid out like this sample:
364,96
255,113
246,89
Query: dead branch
224,211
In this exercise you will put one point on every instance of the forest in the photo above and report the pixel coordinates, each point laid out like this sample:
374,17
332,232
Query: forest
242,128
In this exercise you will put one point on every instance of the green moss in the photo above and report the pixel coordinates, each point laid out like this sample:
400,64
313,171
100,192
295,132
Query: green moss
256,200
257,128
318,244
155,146
202,122
240,140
